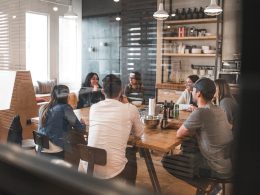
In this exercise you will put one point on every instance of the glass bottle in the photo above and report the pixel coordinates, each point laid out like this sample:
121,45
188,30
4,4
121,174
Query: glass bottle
170,114
195,13
189,14
165,117
201,13
183,14
177,15
176,111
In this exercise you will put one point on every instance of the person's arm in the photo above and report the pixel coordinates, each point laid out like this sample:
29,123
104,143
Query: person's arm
182,132
127,91
138,127
73,120
183,98
191,124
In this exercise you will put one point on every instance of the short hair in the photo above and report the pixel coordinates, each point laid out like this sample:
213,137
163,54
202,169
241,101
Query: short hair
206,87
224,89
112,86
193,77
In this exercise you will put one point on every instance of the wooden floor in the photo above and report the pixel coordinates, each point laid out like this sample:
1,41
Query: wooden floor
170,185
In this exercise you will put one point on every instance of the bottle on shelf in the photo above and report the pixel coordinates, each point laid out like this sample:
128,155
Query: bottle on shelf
195,13
183,14
170,113
201,13
165,117
189,14
177,14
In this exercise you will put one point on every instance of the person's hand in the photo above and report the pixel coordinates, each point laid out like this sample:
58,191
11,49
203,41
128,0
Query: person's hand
192,108
123,99
82,121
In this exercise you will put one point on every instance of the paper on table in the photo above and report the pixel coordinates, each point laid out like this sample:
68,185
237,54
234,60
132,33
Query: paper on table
151,110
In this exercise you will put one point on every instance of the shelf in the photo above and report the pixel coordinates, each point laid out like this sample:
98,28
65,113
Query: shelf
190,38
192,21
189,55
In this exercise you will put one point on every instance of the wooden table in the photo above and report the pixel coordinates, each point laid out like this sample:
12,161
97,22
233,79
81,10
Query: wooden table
163,140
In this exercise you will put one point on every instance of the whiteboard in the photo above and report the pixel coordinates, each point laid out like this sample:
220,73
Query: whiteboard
7,79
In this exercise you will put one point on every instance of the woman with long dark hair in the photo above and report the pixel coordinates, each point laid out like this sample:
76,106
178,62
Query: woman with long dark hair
90,91
56,119
225,100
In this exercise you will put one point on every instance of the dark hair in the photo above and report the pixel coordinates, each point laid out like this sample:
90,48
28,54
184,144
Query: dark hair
138,79
59,95
193,77
87,82
206,87
223,88
112,86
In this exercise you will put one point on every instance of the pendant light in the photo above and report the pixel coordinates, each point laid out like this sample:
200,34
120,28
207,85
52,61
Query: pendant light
161,14
70,14
213,9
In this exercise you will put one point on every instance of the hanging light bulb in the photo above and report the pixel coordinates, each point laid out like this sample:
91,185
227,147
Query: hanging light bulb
161,14
70,14
213,9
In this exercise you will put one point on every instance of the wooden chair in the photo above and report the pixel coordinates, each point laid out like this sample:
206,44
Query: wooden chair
71,148
41,140
15,135
93,156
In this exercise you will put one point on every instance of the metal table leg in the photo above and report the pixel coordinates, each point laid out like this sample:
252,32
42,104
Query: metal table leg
149,163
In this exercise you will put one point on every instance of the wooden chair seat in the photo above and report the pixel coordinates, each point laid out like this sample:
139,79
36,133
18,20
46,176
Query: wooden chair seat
93,156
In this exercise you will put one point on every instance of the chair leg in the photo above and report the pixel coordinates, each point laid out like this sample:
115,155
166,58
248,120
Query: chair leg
200,192
223,189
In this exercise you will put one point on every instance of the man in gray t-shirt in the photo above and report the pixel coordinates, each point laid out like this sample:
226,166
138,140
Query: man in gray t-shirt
213,132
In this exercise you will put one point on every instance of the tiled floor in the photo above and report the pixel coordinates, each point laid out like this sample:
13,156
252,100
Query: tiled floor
170,185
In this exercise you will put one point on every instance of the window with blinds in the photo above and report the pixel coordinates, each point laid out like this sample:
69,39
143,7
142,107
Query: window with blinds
10,25
138,51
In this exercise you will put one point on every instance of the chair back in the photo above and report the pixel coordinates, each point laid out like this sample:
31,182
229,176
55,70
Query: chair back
71,148
15,131
93,156
41,140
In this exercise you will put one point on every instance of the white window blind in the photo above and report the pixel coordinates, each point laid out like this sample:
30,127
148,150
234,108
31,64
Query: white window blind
10,34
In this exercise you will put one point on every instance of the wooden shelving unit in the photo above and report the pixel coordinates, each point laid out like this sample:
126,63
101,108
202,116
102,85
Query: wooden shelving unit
193,21
190,38
189,55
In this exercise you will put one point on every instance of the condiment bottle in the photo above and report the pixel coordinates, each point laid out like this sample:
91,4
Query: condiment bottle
165,118
170,113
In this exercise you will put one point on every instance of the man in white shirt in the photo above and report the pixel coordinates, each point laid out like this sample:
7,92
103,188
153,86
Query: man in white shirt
110,123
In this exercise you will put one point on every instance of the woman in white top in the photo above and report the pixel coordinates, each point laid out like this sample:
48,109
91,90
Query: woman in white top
185,100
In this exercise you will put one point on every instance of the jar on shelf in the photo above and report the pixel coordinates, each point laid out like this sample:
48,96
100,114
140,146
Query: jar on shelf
201,13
